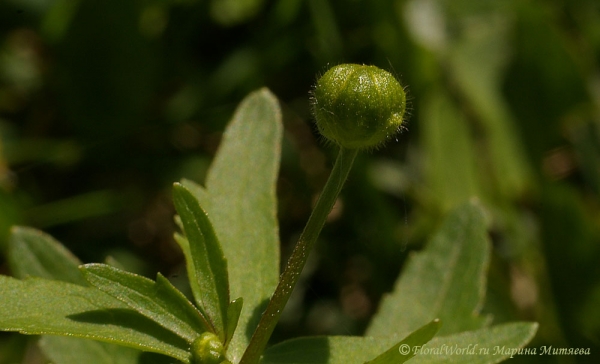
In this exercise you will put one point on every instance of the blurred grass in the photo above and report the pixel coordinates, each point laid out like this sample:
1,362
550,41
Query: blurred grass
103,104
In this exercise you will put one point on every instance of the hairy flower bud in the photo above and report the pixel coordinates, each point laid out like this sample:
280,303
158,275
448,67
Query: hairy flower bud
357,106
207,349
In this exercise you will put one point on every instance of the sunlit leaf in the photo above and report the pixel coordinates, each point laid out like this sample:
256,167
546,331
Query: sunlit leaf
403,351
346,349
484,346
241,201
446,280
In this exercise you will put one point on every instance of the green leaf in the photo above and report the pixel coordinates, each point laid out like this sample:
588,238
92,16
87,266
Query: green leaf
451,168
325,350
241,201
346,349
446,280
68,350
33,253
402,351
191,271
484,346
500,342
209,263
476,65
158,301
233,317
39,306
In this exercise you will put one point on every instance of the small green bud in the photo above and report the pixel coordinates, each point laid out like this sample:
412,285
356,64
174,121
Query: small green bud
207,349
358,106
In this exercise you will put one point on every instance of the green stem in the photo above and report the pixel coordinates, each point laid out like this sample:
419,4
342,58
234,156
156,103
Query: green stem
297,260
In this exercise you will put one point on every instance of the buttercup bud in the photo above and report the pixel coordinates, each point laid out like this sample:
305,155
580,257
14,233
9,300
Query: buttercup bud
207,349
358,106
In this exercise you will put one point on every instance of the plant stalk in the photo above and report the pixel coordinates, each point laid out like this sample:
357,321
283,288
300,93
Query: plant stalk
297,260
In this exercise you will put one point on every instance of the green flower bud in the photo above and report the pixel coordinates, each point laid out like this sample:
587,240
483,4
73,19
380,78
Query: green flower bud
207,349
357,106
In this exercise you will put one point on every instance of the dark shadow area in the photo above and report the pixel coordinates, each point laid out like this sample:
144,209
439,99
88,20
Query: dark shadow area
293,352
255,318
153,358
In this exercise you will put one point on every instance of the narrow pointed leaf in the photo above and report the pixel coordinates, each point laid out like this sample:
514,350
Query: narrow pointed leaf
210,266
32,253
233,316
191,271
158,301
404,350
240,197
446,279
40,306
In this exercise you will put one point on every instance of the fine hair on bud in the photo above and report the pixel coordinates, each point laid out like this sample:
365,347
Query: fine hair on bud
358,106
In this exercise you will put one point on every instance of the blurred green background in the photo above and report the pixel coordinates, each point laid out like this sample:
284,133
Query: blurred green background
105,103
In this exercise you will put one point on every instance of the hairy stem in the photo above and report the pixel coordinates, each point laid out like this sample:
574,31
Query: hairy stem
297,260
